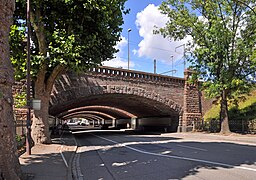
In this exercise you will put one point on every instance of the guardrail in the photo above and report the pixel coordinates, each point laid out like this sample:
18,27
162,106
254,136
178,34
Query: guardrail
110,71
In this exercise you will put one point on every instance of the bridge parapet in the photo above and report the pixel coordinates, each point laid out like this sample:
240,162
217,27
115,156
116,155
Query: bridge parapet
136,75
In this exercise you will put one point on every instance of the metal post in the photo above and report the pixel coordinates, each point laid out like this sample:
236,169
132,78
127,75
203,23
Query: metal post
184,57
184,53
172,65
28,136
154,66
129,30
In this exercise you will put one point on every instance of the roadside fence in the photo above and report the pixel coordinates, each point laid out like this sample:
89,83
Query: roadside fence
245,126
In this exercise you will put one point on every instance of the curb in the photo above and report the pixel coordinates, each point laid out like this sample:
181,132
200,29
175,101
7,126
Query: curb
76,170
69,164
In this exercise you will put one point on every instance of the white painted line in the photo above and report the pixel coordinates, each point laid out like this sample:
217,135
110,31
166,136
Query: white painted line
90,131
179,157
190,147
62,155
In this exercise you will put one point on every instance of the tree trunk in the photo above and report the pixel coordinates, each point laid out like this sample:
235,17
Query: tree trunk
40,125
224,114
9,164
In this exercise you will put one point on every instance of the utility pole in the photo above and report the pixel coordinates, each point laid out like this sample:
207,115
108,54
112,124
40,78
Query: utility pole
154,66
172,65
28,135
184,52
129,30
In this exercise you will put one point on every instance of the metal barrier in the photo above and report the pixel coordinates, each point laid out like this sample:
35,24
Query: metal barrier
20,127
240,126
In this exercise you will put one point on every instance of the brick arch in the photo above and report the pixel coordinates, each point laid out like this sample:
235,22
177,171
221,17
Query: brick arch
104,111
86,91
78,115
113,89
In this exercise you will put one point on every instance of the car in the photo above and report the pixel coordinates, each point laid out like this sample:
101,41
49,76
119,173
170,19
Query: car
73,123
85,123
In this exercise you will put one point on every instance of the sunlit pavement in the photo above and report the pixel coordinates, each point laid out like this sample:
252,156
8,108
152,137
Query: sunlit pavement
50,161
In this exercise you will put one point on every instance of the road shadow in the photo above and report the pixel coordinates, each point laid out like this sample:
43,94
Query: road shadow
165,157
150,136
47,160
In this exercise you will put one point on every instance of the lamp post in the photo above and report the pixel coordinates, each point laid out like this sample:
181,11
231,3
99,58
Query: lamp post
28,135
129,30
154,66
172,65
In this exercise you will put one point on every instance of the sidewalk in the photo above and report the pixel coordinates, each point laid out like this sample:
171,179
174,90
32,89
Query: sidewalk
203,136
51,161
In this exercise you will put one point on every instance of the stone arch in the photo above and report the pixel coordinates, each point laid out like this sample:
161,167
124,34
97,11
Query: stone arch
86,91
89,116
97,110
84,113
113,89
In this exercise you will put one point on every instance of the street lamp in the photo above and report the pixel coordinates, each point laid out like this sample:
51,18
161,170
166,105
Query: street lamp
129,30
28,135
172,65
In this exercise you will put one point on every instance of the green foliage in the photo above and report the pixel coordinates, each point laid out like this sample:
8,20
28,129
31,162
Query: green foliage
20,100
18,138
213,113
223,41
17,53
244,109
223,44
76,34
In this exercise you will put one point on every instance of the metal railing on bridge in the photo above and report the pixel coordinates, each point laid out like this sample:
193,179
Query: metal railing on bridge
110,71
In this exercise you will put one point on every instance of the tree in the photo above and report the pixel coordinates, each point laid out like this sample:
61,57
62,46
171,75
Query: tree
223,40
66,34
9,164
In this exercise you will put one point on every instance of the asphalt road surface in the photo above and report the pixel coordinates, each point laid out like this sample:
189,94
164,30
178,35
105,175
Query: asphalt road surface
130,156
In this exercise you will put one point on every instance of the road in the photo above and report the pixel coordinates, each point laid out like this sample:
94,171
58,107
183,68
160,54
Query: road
130,156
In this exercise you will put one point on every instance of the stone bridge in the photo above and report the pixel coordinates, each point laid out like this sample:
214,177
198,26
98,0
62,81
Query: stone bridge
120,96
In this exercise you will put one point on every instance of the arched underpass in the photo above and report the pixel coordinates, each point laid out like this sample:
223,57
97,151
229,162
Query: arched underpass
141,100
120,111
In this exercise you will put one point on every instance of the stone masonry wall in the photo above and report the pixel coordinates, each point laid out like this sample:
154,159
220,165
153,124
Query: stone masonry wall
161,88
192,115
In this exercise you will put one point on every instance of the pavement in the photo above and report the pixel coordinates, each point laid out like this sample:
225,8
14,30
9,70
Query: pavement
248,139
54,161
50,161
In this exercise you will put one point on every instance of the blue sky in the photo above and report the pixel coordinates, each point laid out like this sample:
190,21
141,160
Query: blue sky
144,45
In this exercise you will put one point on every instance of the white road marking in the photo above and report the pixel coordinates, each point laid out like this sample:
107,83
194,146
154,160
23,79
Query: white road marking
91,131
178,157
62,155
190,147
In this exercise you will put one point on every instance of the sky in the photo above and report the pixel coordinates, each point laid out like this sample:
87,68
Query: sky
144,45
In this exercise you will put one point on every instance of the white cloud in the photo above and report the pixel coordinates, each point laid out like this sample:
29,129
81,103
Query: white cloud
122,44
134,51
119,62
154,46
